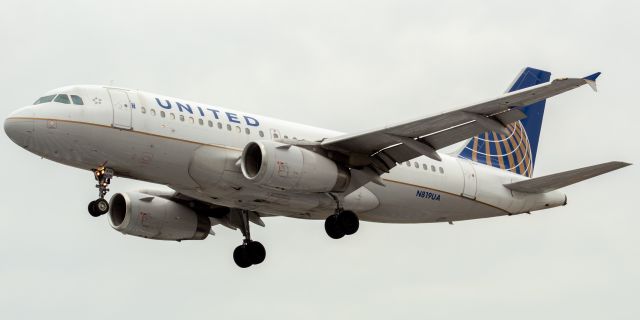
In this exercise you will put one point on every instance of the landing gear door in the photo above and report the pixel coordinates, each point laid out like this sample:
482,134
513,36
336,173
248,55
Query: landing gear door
470,180
121,109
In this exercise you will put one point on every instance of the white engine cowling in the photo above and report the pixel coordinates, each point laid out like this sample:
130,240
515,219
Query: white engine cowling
286,167
152,217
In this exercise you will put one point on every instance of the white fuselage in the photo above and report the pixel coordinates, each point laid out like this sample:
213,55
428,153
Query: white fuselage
193,148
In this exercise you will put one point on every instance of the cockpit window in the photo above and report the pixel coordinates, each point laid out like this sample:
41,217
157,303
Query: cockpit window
62,98
45,99
76,100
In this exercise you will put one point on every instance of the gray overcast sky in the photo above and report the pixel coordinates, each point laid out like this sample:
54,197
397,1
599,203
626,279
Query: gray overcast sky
344,65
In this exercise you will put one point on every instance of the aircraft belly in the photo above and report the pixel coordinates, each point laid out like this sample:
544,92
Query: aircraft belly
296,205
402,203
130,154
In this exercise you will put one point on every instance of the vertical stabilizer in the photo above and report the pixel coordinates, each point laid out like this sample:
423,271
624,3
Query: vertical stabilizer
515,152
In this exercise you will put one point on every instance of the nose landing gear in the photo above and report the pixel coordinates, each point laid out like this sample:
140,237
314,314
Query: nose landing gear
101,206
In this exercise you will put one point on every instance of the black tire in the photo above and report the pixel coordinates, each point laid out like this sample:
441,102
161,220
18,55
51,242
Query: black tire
349,222
102,206
333,229
93,211
241,256
257,252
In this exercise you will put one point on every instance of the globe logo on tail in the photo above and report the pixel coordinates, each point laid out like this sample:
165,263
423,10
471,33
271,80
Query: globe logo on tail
512,152
515,152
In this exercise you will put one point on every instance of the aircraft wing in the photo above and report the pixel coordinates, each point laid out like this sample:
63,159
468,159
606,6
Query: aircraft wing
386,146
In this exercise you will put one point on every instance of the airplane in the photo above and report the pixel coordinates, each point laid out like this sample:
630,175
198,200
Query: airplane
232,168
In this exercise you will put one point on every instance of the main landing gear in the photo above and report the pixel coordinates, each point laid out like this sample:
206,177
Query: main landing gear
101,205
249,252
341,223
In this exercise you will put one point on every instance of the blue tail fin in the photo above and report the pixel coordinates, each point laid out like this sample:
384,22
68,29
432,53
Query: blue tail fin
516,152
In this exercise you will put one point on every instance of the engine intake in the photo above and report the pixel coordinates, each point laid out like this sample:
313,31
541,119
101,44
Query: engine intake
286,167
152,217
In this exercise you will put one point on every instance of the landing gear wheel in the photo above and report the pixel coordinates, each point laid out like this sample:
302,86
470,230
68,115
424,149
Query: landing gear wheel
256,251
333,228
93,211
98,207
241,256
349,222
102,206
342,222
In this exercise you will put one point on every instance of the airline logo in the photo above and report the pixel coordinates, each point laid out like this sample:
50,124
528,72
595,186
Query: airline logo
207,111
512,153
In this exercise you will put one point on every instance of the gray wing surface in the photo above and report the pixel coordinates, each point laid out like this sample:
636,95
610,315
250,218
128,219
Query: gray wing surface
423,136
563,179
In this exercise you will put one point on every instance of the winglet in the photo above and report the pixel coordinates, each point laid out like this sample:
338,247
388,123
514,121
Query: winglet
591,80
593,77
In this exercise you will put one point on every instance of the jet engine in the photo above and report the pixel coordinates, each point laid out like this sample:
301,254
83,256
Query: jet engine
286,167
153,217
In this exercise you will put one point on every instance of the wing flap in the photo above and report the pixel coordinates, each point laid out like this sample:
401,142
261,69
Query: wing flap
563,179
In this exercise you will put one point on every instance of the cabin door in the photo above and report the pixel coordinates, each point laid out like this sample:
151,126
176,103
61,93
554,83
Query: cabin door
470,180
121,109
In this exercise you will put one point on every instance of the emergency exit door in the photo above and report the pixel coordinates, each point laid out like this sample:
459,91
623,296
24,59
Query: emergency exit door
470,181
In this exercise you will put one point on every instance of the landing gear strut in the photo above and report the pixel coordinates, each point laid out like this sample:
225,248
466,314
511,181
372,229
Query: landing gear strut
101,206
249,252
341,223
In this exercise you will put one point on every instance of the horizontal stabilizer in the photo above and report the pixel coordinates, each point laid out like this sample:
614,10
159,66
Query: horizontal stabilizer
563,179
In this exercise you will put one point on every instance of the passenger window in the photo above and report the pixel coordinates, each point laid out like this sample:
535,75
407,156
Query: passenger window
77,100
433,168
45,99
152,112
172,116
285,136
143,110
200,121
424,166
210,123
229,127
441,170
247,131
191,120
416,165
238,130
220,125
162,114
182,118
62,98
275,135
408,164
261,134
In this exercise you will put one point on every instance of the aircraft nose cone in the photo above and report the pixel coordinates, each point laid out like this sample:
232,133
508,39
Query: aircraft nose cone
19,130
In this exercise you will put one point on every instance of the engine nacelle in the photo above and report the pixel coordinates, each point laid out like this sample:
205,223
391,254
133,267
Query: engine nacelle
286,167
152,217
